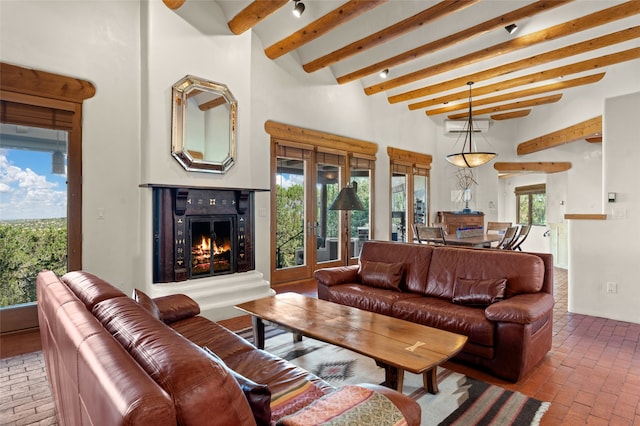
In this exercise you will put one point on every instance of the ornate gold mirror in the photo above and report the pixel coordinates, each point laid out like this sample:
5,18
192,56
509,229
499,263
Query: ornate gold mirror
203,135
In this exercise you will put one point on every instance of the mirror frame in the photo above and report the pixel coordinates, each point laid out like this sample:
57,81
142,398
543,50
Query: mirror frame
179,146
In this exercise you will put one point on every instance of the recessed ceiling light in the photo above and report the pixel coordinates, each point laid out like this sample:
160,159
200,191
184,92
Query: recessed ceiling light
384,73
511,28
298,9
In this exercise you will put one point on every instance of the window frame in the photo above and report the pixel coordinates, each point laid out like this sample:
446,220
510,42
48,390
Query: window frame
529,191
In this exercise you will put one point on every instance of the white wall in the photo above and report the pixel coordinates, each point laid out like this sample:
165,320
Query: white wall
607,251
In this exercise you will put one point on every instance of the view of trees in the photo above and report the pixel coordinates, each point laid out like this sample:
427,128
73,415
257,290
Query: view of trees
26,248
290,218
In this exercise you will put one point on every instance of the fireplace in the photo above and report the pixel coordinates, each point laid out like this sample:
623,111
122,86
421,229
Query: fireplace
201,233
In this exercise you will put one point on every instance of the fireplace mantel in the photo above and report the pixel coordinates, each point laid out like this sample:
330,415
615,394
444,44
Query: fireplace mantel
165,185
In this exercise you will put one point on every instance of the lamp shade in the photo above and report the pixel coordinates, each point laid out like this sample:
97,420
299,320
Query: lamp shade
347,199
470,159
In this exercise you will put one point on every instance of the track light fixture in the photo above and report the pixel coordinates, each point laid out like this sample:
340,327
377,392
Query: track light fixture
298,9
511,28
384,73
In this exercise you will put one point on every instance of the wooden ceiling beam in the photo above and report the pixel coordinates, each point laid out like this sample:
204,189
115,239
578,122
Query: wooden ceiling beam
540,166
505,107
594,139
595,19
253,14
451,40
173,4
562,136
440,10
565,84
510,115
532,61
576,67
321,26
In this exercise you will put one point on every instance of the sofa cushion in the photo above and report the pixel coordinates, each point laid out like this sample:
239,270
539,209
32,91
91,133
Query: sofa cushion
146,302
477,291
440,313
197,383
89,288
369,298
524,272
176,307
416,259
381,274
258,395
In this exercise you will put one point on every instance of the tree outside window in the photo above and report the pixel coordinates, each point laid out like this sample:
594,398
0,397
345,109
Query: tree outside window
531,204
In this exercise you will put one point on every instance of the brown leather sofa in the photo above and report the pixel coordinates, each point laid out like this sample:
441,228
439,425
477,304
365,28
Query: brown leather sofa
501,300
116,360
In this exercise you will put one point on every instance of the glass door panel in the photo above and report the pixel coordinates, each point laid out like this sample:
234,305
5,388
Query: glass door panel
327,222
33,209
290,213
360,219
420,200
398,206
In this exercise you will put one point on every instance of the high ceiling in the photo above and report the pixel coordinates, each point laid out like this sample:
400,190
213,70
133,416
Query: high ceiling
432,48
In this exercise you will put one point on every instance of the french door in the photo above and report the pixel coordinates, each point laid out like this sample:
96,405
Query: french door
308,235
308,170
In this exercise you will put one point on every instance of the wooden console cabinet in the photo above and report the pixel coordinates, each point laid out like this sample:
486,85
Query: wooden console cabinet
451,221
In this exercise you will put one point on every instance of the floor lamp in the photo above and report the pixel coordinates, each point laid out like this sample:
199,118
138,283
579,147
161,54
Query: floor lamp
347,200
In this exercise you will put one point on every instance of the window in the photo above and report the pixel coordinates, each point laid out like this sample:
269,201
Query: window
531,204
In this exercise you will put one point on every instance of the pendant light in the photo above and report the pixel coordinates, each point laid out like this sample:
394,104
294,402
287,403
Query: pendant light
470,158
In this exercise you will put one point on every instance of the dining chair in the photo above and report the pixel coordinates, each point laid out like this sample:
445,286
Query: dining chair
508,238
522,235
497,226
429,234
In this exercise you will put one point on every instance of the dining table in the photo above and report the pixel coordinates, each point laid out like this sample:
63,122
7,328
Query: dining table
483,240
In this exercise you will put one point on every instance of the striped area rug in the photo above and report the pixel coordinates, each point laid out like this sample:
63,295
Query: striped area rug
461,401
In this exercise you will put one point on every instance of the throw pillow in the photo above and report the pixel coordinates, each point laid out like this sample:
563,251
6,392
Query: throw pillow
382,275
478,291
146,302
258,396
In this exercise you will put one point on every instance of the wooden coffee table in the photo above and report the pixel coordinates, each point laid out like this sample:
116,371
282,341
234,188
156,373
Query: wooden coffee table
395,344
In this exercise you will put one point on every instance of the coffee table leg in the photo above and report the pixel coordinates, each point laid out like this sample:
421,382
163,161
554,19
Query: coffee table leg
430,380
258,331
393,376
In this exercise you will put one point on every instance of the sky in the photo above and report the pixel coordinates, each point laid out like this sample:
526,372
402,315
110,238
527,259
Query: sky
28,189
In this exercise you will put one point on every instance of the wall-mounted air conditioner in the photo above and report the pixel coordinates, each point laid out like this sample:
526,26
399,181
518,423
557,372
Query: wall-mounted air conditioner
480,125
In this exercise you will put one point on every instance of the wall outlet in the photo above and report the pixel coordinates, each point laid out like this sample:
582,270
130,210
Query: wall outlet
612,288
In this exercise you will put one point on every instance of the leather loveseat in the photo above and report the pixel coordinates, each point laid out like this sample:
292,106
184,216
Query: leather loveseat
501,300
116,360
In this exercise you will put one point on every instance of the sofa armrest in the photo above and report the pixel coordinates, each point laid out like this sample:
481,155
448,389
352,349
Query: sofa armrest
521,309
176,307
337,275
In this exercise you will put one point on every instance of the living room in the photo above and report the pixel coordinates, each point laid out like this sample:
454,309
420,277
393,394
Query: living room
133,52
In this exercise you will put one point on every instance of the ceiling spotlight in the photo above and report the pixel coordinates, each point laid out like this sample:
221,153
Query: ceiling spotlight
511,28
384,73
298,9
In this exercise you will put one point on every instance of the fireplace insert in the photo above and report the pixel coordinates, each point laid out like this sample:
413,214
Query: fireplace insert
201,233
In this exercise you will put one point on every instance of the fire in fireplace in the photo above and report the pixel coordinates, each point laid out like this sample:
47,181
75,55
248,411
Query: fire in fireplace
211,247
